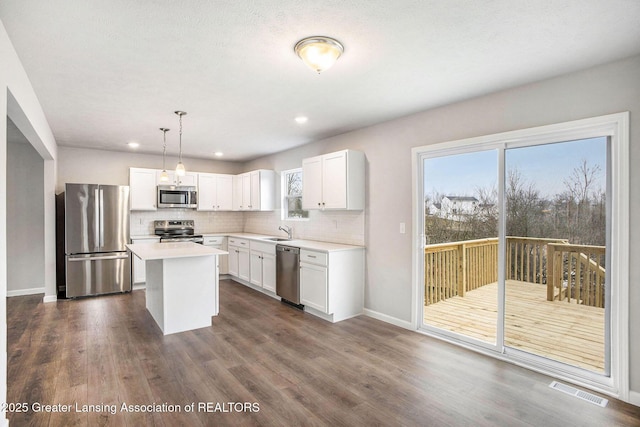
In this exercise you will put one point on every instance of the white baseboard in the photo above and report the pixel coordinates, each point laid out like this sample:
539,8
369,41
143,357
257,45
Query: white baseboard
50,298
21,292
634,398
139,286
389,319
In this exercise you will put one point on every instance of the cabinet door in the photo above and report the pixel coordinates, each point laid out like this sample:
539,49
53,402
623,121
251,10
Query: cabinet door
269,272
313,286
254,204
256,268
237,192
312,183
206,192
190,178
334,180
244,271
142,189
224,192
246,192
139,270
233,261
139,266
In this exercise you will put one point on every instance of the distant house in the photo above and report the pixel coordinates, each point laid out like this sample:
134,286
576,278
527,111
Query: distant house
456,208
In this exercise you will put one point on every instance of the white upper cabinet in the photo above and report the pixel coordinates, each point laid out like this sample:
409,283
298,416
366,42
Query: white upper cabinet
142,189
334,181
254,191
189,179
215,192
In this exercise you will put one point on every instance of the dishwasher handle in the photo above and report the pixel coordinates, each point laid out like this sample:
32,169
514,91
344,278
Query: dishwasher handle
291,249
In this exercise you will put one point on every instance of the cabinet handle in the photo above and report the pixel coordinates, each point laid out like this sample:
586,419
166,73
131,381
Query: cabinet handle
318,203
311,256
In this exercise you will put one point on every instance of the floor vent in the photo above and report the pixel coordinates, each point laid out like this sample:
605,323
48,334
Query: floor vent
591,398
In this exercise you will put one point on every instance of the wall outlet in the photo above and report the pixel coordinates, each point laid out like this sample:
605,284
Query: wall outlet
402,228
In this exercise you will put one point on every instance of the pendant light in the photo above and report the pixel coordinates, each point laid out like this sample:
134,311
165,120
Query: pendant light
180,171
164,176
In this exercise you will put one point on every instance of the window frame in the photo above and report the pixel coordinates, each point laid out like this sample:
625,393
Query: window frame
285,196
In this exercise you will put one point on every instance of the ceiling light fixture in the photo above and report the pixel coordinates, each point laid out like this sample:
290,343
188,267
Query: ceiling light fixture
164,176
218,154
180,168
301,119
319,52
133,144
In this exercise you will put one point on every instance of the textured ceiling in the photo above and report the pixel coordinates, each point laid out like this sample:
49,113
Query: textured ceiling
110,72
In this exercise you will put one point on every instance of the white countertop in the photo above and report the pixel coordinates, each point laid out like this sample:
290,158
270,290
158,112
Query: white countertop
151,251
298,243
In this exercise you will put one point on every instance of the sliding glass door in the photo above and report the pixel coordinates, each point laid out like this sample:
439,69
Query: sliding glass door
522,247
556,215
461,244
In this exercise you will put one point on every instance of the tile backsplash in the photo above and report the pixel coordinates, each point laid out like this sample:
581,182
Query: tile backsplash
141,223
345,227
327,226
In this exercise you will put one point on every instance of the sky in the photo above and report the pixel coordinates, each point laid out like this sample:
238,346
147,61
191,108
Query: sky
545,165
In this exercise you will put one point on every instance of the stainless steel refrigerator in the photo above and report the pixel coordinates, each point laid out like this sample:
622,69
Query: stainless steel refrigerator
96,229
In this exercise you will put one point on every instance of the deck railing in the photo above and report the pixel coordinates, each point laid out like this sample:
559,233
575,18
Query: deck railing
576,272
454,268
570,272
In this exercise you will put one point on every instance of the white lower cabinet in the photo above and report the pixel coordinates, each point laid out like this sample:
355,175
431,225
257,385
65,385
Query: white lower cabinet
332,283
263,265
313,288
239,258
139,269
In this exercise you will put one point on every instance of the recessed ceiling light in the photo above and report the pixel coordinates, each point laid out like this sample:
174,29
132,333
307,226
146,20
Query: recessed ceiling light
301,119
218,154
133,145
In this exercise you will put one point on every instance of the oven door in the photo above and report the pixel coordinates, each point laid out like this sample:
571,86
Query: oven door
176,197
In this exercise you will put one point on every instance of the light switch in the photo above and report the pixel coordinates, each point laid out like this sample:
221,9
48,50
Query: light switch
402,228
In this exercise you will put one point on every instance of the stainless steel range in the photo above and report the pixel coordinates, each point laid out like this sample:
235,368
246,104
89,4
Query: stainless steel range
176,231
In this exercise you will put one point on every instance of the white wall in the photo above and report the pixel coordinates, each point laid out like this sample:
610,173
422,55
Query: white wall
25,216
81,165
598,91
19,102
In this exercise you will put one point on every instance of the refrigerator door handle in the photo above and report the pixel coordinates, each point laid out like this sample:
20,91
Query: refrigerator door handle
101,239
72,258
96,214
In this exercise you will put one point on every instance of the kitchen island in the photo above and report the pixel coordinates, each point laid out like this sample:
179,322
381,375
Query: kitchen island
181,284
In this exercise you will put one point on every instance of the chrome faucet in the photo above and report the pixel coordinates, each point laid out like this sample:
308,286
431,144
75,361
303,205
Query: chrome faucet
287,230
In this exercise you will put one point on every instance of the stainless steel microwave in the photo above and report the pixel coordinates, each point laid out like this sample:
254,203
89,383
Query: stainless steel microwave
173,196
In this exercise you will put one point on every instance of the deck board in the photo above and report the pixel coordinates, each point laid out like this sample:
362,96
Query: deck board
566,332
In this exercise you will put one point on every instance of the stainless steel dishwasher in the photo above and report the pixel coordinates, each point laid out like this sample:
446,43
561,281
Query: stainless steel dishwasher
288,273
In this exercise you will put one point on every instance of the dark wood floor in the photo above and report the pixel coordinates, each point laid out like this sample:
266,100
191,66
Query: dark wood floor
298,369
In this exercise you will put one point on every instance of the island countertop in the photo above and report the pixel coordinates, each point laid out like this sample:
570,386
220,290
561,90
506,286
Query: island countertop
153,251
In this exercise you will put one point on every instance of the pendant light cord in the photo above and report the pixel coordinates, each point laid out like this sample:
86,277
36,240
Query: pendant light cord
180,115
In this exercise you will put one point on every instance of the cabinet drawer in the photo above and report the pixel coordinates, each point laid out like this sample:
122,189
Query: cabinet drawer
268,248
234,241
312,257
213,240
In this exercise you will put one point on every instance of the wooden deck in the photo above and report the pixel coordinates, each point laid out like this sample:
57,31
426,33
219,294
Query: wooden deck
566,332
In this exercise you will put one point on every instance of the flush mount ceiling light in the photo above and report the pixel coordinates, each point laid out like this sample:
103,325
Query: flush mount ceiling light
180,168
319,52
301,119
133,144
164,176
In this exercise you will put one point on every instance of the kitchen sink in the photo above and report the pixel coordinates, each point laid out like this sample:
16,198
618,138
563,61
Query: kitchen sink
277,239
